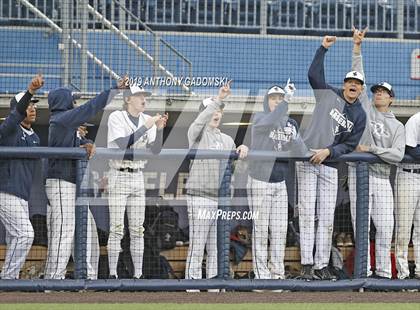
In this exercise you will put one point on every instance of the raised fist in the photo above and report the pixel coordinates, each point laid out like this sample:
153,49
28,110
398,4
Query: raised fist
36,83
328,41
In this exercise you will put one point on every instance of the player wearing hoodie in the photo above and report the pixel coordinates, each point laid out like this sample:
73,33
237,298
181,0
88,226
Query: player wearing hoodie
60,187
272,130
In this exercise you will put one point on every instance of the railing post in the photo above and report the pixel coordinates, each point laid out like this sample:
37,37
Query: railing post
65,41
362,220
223,226
84,61
400,19
81,216
263,17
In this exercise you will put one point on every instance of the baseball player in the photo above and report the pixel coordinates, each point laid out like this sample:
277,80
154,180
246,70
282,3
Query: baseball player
61,177
336,126
407,207
130,128
16,179
203,184
272,130
383,136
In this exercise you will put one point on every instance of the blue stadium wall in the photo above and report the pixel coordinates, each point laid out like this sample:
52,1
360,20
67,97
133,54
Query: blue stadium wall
253,62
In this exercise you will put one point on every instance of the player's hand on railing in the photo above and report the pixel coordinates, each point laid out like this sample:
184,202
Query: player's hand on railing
328,41
90,149
36,83
224,91
319,156
362,148
242,150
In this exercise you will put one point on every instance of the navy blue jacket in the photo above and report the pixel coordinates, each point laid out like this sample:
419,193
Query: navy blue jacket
64,121
274,131
335,124
16,175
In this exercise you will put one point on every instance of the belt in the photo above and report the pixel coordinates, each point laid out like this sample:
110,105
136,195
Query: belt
130,170
412,170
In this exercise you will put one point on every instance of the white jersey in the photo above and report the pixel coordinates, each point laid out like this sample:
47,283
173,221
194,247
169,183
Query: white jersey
412,137
119,126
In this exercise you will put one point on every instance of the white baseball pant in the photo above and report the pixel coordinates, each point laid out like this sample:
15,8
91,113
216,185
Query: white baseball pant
381,210
61,223
269,201
14,215
317,195
126,192
203,235
407,214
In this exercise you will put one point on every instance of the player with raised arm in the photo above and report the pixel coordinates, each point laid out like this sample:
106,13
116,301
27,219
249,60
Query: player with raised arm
16,177
65,119
272,130
384,136
336,126
203,184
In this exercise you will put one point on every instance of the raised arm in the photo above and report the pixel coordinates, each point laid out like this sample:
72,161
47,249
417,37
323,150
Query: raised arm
17,115
357,65
211,105
316,74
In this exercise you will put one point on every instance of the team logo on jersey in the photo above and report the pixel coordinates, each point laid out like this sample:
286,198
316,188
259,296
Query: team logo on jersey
284,135
378,129
342,123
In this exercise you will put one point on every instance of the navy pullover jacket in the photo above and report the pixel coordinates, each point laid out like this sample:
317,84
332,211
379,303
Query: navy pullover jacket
16,175
335,124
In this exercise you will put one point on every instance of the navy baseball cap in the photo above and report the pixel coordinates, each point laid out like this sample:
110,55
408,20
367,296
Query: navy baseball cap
384,85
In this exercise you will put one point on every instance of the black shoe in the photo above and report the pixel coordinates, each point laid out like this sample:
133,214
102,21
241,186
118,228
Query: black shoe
325,274
111,276
307,273
375,276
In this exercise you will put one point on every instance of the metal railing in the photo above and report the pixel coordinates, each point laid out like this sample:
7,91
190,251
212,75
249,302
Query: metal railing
382,16
223,281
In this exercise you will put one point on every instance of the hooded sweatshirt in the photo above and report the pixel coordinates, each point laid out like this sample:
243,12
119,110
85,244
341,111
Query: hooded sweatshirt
335,123
204,174
384,134
16,175
274,131
64,121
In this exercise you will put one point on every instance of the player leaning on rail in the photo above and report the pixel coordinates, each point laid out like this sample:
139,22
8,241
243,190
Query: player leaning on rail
383,136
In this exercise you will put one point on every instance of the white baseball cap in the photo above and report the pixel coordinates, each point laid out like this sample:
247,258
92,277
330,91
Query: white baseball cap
136,90
384,85
355,75
276,90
